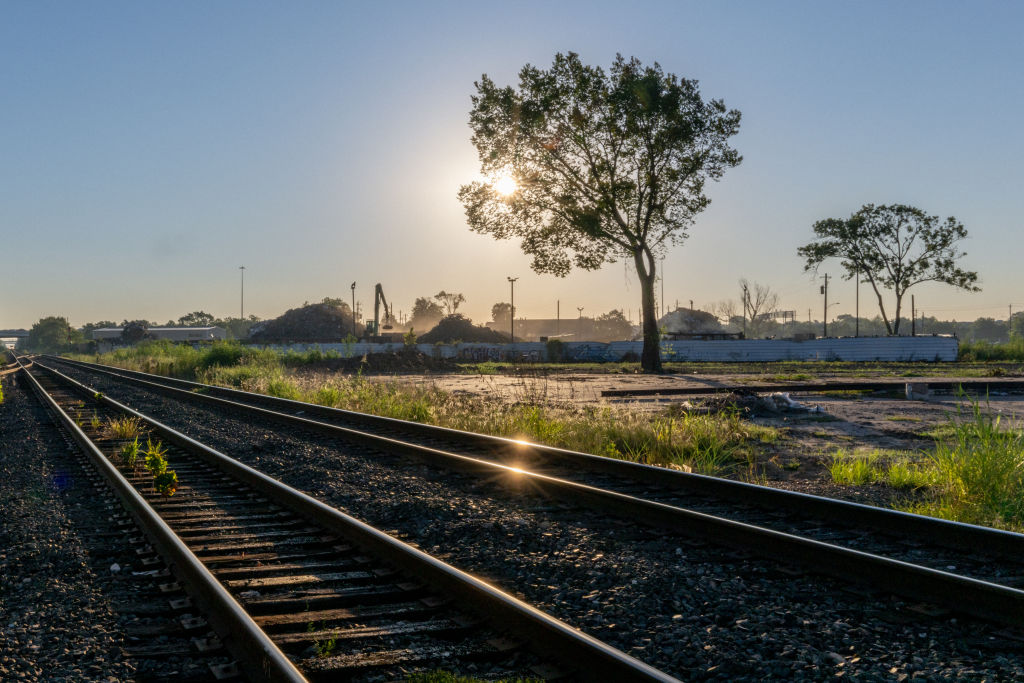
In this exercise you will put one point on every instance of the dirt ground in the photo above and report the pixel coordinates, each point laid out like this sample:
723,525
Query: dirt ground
809,435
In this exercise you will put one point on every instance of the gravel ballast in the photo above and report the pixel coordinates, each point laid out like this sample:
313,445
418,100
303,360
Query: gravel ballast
56,617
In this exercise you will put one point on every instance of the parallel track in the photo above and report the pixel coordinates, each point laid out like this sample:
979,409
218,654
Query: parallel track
980,386
993,554
283,574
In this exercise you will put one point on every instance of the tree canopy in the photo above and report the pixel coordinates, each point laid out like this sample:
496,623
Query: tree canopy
52,334
450,301
893,247
587,167
425,313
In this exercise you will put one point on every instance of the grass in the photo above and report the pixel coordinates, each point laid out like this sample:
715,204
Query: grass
711,444
980,471
897,469
124,427
975,474
1012,350
130,453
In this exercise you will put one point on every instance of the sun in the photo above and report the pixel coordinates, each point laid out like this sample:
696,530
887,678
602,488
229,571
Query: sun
505,185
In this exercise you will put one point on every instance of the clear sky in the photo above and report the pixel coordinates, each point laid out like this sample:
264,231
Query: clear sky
149,149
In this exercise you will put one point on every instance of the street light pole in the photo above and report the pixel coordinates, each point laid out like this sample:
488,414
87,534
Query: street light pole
241,270
824,290
512,318
353,309
579,323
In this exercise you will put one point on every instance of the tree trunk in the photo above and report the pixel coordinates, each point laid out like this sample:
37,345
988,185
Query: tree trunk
896,318
650,358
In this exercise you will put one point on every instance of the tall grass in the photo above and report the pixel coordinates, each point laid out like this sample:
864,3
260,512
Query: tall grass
975,473
705,443
1012,350
981,470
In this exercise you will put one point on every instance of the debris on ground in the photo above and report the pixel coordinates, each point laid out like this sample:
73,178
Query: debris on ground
747,403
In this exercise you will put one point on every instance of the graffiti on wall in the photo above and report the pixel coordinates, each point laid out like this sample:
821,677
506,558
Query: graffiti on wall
483,354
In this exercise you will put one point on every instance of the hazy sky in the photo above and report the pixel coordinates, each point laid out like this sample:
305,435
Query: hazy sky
149,149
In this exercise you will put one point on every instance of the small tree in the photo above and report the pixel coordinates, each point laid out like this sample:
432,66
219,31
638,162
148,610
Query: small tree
425,313
590,167
450,301
892,247
501,314
759,302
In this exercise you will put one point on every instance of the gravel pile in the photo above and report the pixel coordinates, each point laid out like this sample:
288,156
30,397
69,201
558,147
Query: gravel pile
698,612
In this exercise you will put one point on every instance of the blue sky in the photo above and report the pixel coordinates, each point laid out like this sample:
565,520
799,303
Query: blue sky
149,149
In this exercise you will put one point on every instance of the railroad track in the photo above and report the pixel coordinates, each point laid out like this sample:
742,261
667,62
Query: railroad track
297,590
977,386
898,552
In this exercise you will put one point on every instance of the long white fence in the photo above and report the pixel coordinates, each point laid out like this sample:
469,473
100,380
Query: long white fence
936,348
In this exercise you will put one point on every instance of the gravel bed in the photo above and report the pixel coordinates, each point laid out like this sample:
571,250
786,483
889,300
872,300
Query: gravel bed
691,610
65,610
55,612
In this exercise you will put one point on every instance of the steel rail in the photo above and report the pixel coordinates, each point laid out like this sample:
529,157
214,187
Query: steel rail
947,385
964,594
957,535
256,653
547,634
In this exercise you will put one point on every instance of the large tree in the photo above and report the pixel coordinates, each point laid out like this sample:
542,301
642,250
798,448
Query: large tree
588,167
892,247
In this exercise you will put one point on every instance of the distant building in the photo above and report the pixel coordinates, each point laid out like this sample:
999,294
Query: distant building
176,334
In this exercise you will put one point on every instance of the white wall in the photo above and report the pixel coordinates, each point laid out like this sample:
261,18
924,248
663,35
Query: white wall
844,348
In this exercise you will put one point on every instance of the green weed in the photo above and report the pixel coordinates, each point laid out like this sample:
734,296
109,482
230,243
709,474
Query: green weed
156,462
130,453
166,483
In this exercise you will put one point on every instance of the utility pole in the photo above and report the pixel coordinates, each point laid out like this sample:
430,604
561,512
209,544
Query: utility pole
558,317
241,270
691,304
913,317
745,296
353,309
857,321
824,291
512,321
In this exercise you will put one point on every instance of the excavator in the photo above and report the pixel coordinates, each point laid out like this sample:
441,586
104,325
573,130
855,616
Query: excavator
373,327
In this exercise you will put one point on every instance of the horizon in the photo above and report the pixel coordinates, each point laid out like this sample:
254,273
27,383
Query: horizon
151,151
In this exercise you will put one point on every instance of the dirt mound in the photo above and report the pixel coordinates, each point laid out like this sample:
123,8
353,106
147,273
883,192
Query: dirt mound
310,323
459,328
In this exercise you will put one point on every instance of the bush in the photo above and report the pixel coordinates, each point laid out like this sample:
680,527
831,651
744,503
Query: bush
556,350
